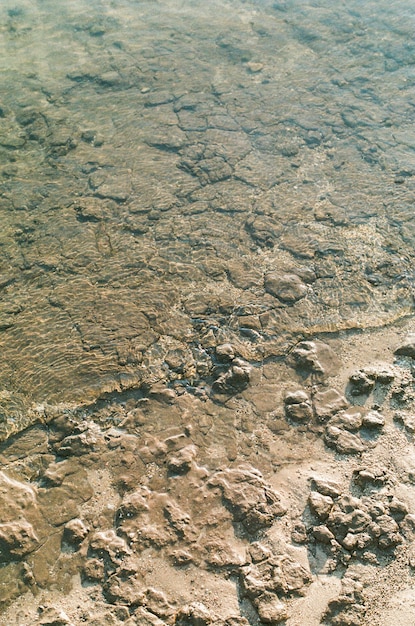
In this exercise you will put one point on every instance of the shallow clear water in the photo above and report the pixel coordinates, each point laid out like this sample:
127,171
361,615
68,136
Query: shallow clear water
179,175
158,159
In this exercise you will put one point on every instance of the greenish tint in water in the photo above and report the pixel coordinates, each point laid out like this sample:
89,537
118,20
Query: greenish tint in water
180,174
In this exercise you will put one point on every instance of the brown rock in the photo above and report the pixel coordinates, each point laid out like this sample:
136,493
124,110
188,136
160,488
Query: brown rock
316,357
320,505
407,347
286,287
344,441
51,616
373,420
195,614
327,487
17,539
250,500
322,534
328,403
271,610
298,406
75,531
106,542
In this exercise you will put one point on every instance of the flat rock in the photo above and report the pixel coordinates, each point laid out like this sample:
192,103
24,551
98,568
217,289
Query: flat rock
286,287
328,403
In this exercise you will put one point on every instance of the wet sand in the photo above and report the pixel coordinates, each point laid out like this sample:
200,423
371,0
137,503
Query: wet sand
206,308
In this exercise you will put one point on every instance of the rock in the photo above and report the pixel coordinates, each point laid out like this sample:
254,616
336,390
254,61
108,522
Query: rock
270,609
407,420
195,614
17,539
320,505
361,383
381,372
328,403
87,438
407,347
350,542
145,618
290,577
277,575
94,570
343,441
254,67
125,586
219,554
323,535
298,406
235,379
348,608
156,602
373,420
259,552
299,533
51,616
326,486
75,532
376,476
286,287
181,462
349,420
107,543
178,519
314,357
250,500
225,352
134,503
398,509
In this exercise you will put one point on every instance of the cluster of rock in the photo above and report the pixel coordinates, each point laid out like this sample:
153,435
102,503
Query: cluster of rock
347,428
367,529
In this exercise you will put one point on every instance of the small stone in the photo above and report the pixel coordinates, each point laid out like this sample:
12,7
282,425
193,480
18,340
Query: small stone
373,419
298,406
327,487
296,397
350,420
343,441
349,542
323,535
50,616
225,352
259,552
361,383
254,68
235,379
271,610
299,533
407,348
398,509
320,505
75,531
182,461
195,614
314,357
286,287
94,570
17,539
